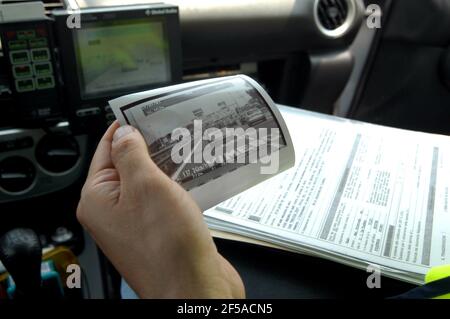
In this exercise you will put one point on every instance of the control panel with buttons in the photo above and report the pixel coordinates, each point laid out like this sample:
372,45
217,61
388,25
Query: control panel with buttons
28,49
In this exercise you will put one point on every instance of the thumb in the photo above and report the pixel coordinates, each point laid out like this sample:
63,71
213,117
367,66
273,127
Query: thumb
130,157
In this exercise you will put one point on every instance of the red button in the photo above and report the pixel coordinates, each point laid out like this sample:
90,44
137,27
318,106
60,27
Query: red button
41,32
11,34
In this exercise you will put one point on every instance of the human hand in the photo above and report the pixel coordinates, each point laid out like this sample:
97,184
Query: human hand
149,226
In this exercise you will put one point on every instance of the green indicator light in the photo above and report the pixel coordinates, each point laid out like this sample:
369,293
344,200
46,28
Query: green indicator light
40,54
46,82
43,68
38,43
21,57
17,45
24,85
21,71
26,34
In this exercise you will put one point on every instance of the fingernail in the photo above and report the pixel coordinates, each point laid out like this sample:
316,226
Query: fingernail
122,131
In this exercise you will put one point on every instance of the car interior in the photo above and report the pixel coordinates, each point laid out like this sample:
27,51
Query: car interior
326,56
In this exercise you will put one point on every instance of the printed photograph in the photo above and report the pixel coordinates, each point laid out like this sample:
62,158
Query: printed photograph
230,107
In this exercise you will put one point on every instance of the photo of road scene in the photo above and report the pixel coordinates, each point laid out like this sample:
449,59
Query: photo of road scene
227,105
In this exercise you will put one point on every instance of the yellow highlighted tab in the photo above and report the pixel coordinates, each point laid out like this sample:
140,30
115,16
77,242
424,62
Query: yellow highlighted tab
436,273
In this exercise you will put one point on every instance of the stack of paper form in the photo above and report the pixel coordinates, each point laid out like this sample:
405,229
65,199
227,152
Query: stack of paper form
358,194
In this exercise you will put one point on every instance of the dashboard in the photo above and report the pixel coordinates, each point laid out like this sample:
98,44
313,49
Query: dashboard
62,61
57,77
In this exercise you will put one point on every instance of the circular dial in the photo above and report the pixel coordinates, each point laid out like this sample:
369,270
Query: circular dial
16,174
57,153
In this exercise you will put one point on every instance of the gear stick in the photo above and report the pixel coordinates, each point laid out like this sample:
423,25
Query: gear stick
21,254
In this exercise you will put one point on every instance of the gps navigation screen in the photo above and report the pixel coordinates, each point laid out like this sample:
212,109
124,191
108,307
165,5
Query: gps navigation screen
116,56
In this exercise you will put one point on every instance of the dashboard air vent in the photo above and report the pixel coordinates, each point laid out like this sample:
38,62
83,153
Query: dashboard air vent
332,14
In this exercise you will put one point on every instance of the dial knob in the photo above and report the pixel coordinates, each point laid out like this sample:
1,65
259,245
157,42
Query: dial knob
57,153
16,174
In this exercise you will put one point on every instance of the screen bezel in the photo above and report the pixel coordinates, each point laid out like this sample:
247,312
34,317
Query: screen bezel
66,48
123,90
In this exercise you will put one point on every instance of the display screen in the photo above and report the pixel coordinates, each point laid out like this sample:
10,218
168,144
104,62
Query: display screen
118,56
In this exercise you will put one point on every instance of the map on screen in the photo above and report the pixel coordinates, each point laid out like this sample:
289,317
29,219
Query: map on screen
118,55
